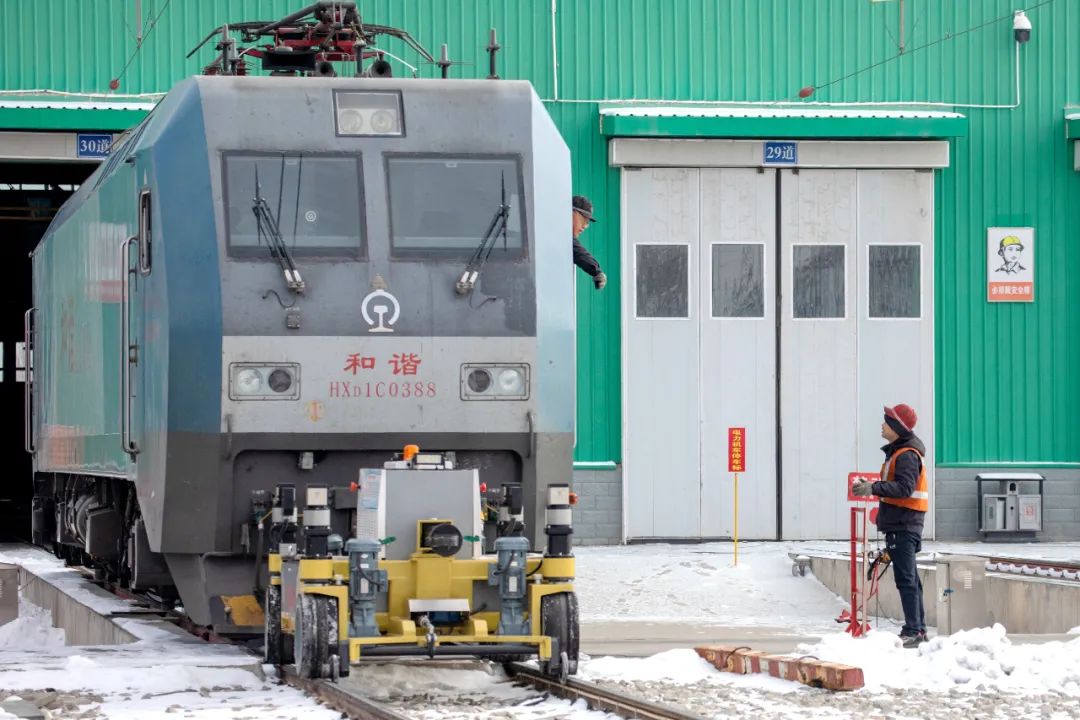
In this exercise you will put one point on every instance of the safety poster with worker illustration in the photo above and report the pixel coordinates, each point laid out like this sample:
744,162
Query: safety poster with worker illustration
1010,255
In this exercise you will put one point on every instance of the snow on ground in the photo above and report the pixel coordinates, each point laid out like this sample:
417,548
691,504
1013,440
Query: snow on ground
700,584
977,673
974,674
145,682
163,677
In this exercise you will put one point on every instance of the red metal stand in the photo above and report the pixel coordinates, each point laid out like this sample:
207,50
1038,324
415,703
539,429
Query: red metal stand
857,624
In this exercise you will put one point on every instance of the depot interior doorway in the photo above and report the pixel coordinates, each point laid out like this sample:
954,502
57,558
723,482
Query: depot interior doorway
792,302
30,194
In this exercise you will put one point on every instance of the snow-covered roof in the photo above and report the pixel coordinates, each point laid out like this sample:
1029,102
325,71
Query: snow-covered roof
769,112
76,105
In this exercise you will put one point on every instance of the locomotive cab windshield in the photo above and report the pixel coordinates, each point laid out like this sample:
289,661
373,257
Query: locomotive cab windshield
440,205
314,200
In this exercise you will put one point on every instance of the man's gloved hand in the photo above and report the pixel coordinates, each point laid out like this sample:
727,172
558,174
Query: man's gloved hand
600,280
862,488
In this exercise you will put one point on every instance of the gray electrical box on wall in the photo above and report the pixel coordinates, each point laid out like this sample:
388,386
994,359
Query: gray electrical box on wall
960,589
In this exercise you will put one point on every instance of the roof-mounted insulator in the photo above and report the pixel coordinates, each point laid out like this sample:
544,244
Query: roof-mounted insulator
444,61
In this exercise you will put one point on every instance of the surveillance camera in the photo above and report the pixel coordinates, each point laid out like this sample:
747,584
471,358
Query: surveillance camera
1021,27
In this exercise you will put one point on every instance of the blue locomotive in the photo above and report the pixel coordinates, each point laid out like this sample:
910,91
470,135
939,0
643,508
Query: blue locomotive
281,281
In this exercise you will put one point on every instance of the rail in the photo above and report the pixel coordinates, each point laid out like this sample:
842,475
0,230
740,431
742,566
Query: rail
596,697
356,707
349,704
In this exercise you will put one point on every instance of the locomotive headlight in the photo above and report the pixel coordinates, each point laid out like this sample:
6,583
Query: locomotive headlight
249,381
366,113
383,122
510,382
280,380
494,381
350,122
264,381
479,380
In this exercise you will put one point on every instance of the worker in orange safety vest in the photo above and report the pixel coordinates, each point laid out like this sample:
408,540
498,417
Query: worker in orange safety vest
905,499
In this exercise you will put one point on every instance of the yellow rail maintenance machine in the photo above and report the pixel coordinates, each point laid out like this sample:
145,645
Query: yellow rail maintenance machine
420,578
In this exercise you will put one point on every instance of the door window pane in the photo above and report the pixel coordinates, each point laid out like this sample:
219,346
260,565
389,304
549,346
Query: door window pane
895,281
818,281
663,275
738,280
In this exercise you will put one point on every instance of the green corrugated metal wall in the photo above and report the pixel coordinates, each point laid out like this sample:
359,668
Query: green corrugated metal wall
1007,376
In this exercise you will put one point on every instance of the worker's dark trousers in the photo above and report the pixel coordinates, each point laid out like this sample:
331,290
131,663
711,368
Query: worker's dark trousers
902,548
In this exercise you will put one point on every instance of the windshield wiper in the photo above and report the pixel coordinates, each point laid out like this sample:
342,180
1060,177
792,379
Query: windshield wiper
268,225
497,227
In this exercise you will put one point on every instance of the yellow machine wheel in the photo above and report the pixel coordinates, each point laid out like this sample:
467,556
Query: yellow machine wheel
559,620
315,639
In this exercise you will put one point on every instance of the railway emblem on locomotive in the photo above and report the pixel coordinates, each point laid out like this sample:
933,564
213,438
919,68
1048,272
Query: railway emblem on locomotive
380,303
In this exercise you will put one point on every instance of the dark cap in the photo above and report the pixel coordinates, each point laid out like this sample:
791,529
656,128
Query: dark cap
583,206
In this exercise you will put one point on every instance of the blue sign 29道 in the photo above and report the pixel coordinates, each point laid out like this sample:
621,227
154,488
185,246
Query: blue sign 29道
781,153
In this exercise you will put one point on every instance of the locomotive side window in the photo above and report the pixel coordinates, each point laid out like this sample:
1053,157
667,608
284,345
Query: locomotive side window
146,234
315,199
442,205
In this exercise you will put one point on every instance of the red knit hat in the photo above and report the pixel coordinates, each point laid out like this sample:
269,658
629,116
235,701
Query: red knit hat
903,414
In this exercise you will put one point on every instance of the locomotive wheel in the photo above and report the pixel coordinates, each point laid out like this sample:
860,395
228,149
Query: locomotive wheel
272,640
311,644
559,620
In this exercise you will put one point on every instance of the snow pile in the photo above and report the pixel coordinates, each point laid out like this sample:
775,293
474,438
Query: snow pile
968,660
32,630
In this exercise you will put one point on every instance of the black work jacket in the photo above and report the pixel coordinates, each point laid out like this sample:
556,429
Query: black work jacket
584,259
893,518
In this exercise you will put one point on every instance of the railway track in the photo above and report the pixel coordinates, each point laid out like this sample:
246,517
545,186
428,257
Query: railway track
596,697
337,697
357,707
